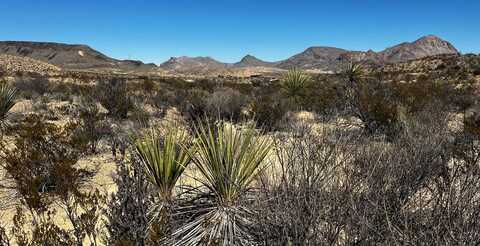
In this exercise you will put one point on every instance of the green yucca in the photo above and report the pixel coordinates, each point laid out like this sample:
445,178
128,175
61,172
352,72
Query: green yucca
228,159
294,83
7,101
164,160
354,72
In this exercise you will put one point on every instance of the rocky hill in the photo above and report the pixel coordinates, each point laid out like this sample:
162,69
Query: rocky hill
252,61
13,65
193,65
423,47
68,56
325,58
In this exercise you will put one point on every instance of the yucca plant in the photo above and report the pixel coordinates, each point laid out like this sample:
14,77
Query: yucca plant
164,161
228,159
8,95
354,72
294,83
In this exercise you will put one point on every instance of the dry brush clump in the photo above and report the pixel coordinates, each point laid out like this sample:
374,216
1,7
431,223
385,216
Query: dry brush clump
41,171
114,96
299,198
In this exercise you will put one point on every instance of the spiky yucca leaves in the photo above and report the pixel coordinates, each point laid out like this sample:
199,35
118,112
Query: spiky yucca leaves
354,72
228,159
164,159
294,83
7,101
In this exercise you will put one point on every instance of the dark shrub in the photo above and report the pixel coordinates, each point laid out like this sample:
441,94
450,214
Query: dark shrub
43,166
194,106
113,95
126,213
226,103
140,117
299,201
322,96
31,88
373,103
93,125
268,108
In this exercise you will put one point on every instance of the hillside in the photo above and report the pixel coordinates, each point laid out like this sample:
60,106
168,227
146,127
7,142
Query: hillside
68,56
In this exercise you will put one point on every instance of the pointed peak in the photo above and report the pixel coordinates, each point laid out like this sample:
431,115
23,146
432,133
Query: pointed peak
430,38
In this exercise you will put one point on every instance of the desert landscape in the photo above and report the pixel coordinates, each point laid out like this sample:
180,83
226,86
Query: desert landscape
330,146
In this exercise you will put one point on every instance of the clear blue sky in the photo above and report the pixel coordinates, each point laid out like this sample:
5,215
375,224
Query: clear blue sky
227,30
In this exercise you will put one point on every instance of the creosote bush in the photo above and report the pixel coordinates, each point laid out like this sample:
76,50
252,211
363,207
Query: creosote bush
93,125
42,168
113,95
31,88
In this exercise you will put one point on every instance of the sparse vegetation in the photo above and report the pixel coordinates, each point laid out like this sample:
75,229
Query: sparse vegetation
384,157
113,95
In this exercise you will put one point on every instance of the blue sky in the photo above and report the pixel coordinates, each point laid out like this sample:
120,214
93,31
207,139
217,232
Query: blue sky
227,30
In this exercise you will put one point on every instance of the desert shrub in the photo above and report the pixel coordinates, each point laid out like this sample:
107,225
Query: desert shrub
62,91
225,103
387,186
353,189
43,159
299,200
162,99
268,108
127,220
42,165
194,106
417,95
372,101
140,116
93,125
471,124
474,63
31,88
113,95
322,97
148,85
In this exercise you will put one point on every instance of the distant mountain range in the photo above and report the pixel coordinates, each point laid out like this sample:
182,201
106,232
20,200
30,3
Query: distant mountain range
321,58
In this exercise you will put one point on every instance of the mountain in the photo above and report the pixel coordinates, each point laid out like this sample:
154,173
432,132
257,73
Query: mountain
67,56
327,58
423,47
194,65
252,61
314,58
